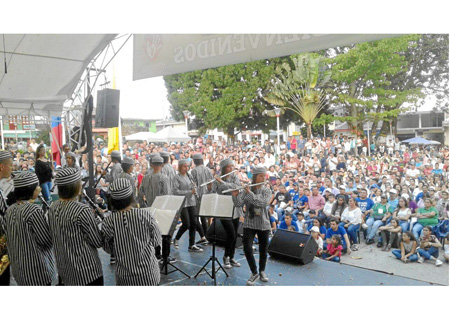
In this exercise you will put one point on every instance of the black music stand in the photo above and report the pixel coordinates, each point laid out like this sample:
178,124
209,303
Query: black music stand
216,206
166,210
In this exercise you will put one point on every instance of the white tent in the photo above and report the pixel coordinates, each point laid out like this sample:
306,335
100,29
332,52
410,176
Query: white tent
140,136
43,70
170,134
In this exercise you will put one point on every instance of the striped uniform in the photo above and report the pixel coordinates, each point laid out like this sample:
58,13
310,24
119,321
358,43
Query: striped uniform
154,185
76,239
6,187
114,173
229,182
201,174
134,235
260,200
29,245
171,173
183,187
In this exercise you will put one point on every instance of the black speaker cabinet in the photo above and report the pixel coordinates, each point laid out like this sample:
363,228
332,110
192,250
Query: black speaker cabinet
221,235
293,246
107,113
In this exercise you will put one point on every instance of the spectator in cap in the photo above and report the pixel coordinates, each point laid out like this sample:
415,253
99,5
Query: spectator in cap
393,200
315,233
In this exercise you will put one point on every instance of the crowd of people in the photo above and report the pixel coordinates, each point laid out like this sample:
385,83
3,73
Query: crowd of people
331,188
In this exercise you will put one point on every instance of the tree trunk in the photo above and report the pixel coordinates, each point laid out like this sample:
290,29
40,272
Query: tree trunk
309,130
384,132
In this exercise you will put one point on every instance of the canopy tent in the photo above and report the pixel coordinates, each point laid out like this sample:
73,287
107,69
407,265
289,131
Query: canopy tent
42,71
170,134
140,136
420,141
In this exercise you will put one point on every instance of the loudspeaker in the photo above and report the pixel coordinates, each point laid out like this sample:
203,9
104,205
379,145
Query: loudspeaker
221,235
293,246
107,113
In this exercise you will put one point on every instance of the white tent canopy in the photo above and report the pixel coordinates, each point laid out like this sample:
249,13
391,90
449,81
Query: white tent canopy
170,134
42,71
140,136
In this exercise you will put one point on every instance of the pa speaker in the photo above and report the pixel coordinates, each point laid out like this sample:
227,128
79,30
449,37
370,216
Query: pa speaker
107,113
221,235
293,246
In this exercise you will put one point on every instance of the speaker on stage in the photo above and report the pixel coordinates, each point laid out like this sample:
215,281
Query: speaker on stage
293,246
221,235
107,113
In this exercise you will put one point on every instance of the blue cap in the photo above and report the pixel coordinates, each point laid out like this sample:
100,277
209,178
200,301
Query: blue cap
374,186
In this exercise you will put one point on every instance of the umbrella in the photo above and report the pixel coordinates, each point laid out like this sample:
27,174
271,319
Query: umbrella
418,141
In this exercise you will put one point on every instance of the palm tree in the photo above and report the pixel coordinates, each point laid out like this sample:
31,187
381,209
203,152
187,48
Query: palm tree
295,87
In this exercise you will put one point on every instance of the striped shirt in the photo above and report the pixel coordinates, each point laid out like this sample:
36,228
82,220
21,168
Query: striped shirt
183,187
201,174
133,235
76,239
260,200
29,245
4,262
154,185
229,182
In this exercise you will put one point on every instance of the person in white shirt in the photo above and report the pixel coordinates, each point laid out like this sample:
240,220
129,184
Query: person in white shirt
329,203
34,145
351,220
315,233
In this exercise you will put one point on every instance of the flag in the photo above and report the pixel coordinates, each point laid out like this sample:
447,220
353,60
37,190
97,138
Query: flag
56,139
113,139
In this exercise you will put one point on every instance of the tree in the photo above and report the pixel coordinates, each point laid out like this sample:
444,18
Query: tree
227,98
296,87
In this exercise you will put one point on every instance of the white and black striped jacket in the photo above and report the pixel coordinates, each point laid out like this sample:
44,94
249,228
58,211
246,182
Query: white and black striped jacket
76,239
133,235
29,245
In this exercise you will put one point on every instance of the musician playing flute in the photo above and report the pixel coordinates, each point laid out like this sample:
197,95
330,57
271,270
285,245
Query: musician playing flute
256,222
230,181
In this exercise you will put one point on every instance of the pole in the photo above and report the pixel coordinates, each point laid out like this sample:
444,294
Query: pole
3,135
277,111
120,135
324,131
368,138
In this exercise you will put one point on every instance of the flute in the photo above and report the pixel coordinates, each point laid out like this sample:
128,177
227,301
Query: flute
243,187
94,206
44,202
231,172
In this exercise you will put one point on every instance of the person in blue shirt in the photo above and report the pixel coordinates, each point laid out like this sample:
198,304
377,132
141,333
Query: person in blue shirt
316,221
364,203
393,200
294,192
436,170
288,223
339,230
301,204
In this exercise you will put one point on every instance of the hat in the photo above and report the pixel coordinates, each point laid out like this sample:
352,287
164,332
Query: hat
374,186
405,196
226,162
128,160
120,189
115,154
259,170
383,196
164,154
342,186
5,155
183,162
432,188
359,186
157,159
25,179
328,189
67,176
315,229
393,191
197,156
288,211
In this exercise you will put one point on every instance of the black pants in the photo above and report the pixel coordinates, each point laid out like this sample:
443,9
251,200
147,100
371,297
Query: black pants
202,225
5,277
96,282
189,219
263,239
230,227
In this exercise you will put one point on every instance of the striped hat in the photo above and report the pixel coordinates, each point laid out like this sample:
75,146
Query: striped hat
5,155
128,160
116,154
121,189
183,162
67,176
197,156
25,179
157,159
259,170
226,162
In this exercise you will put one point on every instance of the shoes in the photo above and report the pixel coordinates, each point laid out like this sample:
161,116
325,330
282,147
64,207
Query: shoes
171,260
263,276
438,262
370,241
407,260
387,248
176,243
354,247
226,262
364,226
252,280
202,242
420,261
234,263
195,248
379,244
112,260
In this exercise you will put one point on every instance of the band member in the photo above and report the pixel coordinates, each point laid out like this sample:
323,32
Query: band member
116,168
184,187
150,170
134,235
201,174
156,183
6,188
127,170
256,222
230,226
167,168
75,234
28,234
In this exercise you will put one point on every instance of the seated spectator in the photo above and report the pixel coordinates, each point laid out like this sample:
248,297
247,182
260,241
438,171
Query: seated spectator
334,249
351,220
282,201
390,235
273,217
408,245
429,247
402,214
426,216
316,235
446,248
379,215
288,223
301,223
335,229
317,223
338,208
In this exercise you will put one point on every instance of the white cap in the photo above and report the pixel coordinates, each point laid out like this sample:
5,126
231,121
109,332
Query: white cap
342,186
328,189
359,186
315,229
405,196
393,191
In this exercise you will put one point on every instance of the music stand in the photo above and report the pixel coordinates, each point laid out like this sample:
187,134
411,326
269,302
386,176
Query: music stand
166,211
216,206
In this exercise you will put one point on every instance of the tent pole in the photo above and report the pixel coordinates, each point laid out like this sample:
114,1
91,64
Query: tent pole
3,135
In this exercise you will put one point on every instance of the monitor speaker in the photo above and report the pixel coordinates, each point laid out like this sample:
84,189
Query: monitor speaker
293,246
107,113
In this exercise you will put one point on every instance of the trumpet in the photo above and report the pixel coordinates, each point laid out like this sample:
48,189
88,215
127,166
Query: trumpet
243,187
231,172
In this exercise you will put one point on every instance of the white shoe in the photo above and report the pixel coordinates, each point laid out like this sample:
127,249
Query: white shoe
420,261
234,263
438,262
263,277
252,280
226,262
364,226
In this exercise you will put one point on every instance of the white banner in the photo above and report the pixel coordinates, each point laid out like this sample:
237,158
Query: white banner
159,55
